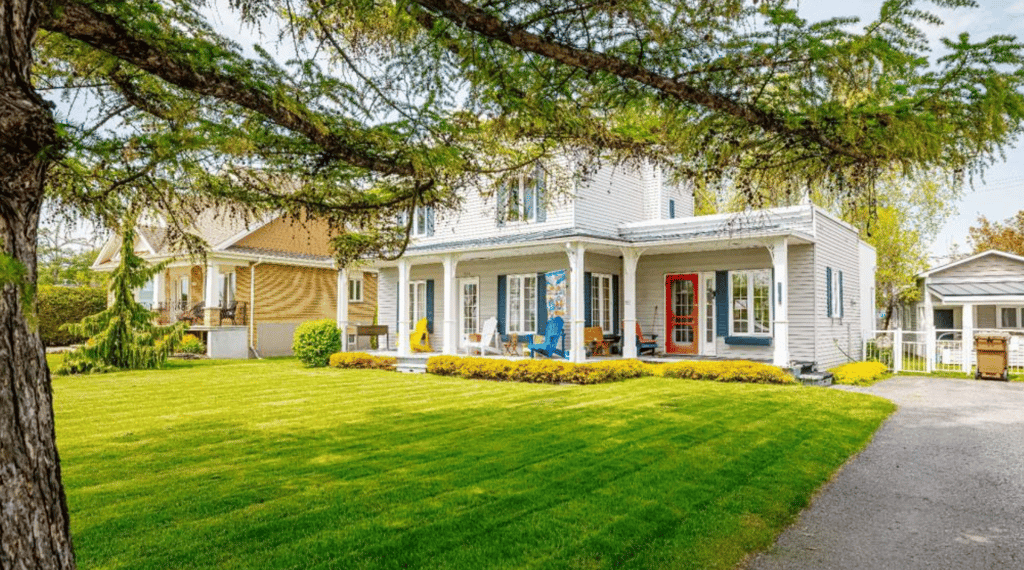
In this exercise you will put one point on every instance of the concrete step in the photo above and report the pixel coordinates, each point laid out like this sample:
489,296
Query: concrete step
816,379
411,364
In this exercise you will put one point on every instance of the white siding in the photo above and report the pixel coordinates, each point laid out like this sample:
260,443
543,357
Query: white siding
681,194
802,303
613,196
868,266
989,266
838,340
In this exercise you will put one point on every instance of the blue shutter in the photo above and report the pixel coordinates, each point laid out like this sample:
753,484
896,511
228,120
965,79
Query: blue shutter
430,305
841,304
828,291
501,203
430,219
722,303
542,214
542,303
615,304
588,299
672,209
502,288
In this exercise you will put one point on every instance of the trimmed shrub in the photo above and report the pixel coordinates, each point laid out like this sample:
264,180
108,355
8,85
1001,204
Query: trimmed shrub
190,344
362,360
536,371
316,341
859,373
57,306
728,371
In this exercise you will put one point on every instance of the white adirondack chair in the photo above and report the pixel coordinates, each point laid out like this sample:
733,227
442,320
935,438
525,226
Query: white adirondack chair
488,339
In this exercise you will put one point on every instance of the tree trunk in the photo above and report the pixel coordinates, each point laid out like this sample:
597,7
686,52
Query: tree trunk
34,530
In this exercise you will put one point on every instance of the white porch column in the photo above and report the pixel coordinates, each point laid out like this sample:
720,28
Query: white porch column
158,290
403,308
212,291
630,257
929,329
780,263
576,252
451,302
342,315
967,344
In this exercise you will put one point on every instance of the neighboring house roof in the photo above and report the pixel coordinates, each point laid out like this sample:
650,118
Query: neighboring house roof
991,252
994,288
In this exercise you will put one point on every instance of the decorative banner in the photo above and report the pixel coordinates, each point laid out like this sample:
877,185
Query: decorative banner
556,293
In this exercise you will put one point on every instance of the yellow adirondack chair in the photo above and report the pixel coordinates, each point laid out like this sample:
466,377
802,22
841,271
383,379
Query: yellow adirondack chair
419,340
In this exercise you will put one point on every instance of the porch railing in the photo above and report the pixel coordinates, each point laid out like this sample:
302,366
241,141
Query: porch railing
172,311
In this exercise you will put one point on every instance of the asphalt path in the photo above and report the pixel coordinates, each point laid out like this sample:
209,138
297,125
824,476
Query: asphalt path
940,486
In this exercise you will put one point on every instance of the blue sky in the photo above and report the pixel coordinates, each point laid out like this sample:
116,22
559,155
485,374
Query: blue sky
1001,194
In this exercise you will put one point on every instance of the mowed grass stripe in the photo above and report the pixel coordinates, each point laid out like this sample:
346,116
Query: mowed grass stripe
269,465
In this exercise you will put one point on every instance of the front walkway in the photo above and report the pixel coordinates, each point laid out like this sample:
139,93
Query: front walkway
941,486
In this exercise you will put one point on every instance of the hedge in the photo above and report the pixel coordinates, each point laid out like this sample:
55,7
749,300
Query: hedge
56,306
315,341
728,371
859,373
536,371
362,360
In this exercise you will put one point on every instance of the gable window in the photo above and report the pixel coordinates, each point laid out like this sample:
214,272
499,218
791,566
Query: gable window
750,310
522,304
355,290
520,197
417,302
601,301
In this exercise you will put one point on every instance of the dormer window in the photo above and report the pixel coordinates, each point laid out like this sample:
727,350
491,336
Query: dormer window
521,198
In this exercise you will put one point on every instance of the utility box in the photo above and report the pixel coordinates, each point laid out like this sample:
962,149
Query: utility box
993,356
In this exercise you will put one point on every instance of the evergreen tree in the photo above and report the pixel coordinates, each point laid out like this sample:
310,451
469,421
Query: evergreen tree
124,335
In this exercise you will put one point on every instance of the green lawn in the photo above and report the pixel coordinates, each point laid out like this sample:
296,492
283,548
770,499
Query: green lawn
268,465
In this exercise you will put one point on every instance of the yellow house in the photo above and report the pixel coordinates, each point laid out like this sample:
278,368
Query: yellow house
258,282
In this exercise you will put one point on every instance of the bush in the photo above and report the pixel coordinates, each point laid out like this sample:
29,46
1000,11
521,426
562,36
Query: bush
859,373
316,341
728,371
57,306
536,371
362,360
190,344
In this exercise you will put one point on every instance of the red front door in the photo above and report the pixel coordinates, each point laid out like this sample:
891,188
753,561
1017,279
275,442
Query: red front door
682,314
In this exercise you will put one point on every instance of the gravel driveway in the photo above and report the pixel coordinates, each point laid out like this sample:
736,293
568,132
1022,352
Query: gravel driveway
940,486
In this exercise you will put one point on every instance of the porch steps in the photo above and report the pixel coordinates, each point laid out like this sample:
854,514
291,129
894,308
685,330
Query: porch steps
412,364
808,374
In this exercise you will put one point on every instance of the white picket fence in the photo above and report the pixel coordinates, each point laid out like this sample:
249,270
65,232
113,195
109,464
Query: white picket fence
941,351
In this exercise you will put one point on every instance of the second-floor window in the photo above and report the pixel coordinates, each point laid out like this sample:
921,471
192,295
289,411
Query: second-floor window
422,221
521,197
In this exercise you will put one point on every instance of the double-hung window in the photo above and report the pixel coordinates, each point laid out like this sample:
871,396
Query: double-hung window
355,290
422,221
522,194
417,302
751,307
522,304
601,302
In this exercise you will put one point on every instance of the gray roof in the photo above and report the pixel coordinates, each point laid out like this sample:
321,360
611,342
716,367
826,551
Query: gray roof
989,289
503,240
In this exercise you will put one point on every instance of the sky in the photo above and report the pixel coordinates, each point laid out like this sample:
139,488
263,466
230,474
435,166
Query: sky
1001,194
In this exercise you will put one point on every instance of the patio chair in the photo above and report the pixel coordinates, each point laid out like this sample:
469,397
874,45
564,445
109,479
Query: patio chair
593,338
194,314
644,344
552,338
229,313
487,338
419,340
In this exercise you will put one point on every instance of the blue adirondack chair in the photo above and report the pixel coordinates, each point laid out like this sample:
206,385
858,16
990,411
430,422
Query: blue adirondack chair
552,339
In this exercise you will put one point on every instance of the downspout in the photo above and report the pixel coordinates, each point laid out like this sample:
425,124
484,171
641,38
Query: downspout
252,307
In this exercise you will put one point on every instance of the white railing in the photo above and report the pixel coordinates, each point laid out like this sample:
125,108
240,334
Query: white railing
943,350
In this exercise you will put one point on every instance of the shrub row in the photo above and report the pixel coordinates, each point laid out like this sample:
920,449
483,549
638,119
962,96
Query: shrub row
858,373
728,371
362,360
56,306
536,371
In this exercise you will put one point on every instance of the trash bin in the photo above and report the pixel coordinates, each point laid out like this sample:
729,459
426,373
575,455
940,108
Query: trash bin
993,356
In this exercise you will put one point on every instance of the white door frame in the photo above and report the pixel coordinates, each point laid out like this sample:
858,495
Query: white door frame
707,341
463,334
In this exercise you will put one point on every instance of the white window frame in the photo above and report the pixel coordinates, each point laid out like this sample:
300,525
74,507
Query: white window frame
527,306
837,298
1018,311
463,332
355,290
600,315
521,210
416,311
751,273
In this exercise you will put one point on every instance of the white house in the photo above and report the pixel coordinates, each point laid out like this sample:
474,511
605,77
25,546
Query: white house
779,285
